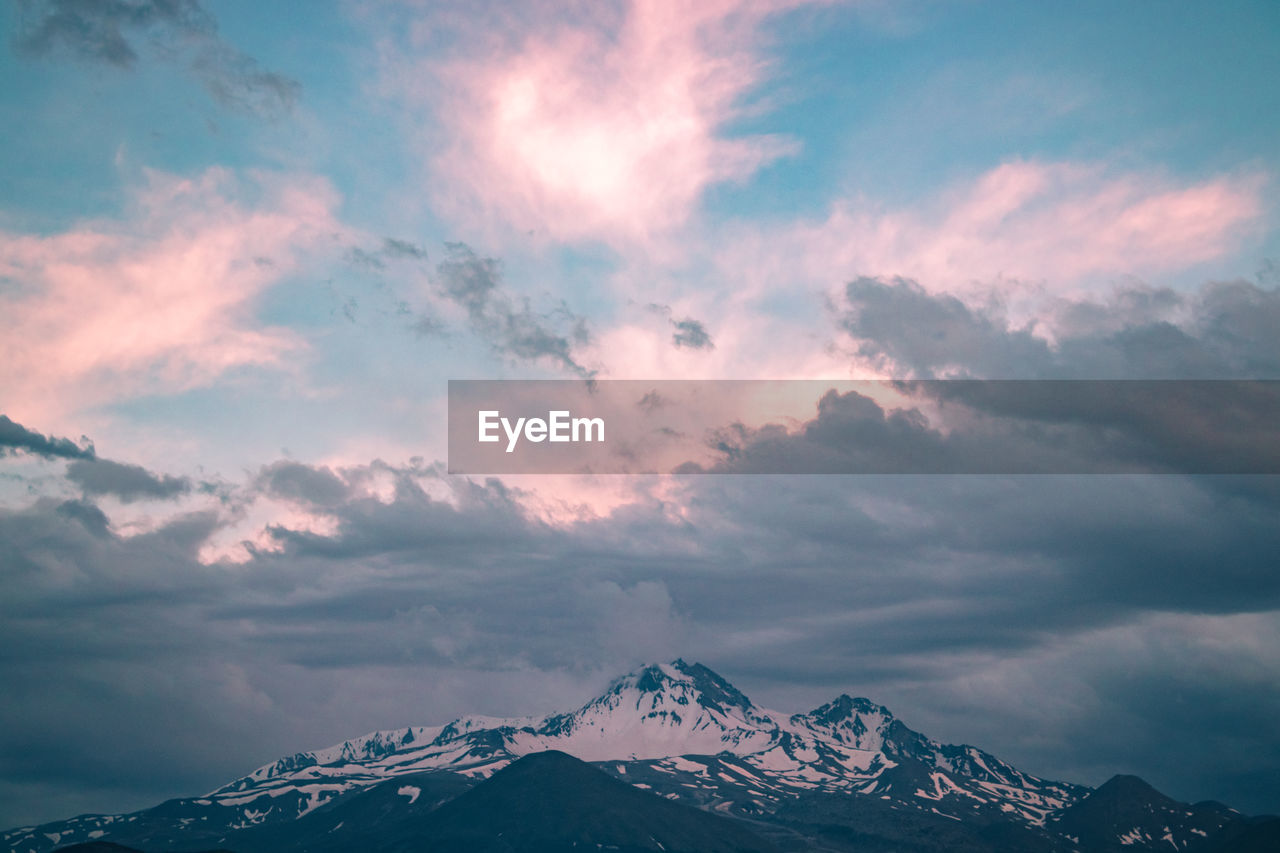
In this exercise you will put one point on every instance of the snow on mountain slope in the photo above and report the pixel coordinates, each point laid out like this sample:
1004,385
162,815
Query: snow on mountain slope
664,711
677,728
661,710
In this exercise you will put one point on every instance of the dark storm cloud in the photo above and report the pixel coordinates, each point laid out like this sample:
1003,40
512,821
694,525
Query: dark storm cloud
1018,427
871,585
1223,331
109,32
87,514
887,586
93,620
94,475
851,434
1076,625
1226,330
208,671
927,333
414,521
14,437
980,609
1194,426
509,324
127,482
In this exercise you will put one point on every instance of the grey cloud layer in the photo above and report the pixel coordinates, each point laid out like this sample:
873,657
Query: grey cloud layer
905,589
319,487
108,31
1020,427
1077,626
16,437
1226,330
94,475
127,482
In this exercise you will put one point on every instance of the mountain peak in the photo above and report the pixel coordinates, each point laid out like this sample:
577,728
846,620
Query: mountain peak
1130,789
1126,812
686,683
548,761
553,801
856,721
845,706
659,710
678,730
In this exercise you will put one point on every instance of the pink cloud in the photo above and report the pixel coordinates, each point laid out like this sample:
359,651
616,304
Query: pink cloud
161,300
1057,225
1024,232
603,128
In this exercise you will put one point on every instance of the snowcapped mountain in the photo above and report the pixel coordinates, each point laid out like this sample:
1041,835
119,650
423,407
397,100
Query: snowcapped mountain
655,712
656,715
677,730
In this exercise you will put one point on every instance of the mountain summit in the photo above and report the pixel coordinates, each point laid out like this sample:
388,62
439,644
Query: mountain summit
684,733
657,711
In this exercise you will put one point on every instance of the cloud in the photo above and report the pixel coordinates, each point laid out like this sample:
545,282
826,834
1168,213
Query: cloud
1017,427
391,249
607,123
692,334
1130,690
127,482
395,248
94,475
16,437
361,258
689,333
298,482
161,300
108,31
1221,331
1065,224
899,321
440,595
473,284
508,324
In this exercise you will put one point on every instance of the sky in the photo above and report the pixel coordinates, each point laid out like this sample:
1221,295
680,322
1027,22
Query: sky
242,250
